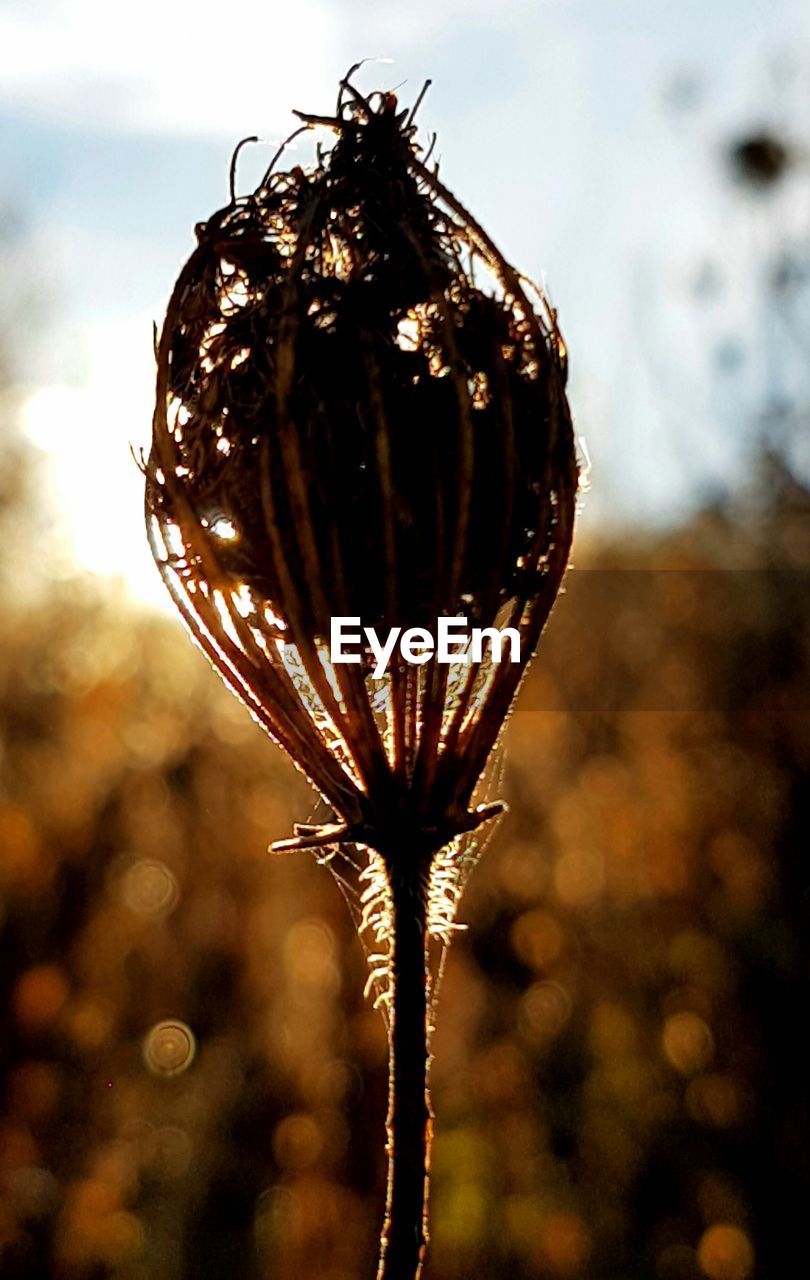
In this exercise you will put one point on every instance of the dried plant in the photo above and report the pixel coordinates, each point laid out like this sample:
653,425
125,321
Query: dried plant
361,411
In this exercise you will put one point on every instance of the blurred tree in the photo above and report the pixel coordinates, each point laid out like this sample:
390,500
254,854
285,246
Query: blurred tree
728,350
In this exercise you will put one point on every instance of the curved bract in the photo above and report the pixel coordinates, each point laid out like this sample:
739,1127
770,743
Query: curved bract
361,412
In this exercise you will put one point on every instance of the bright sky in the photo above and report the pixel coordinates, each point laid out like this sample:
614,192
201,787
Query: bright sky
554,127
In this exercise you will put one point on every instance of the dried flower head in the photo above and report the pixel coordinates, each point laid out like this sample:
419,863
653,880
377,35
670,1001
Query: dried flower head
361,411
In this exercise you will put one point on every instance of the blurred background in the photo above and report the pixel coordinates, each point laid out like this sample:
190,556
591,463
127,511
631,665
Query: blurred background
191,1083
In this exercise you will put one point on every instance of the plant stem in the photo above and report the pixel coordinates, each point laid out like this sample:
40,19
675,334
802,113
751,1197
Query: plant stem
409,1117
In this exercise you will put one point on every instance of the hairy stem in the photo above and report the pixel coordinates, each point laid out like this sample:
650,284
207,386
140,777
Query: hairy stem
409,1117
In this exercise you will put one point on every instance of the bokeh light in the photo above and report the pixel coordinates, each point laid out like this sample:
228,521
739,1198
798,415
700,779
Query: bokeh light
725,1253
169,1048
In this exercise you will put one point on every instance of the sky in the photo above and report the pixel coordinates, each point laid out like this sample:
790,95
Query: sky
585,135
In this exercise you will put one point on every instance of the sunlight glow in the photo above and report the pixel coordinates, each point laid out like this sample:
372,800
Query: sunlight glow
223,528
95,485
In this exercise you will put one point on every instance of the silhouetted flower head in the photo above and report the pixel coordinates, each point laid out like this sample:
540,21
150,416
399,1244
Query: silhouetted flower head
361,412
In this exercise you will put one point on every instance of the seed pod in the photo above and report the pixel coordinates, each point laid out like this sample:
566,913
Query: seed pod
760,160
361,412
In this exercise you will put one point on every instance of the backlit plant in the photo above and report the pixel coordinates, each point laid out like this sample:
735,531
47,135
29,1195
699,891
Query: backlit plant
361,411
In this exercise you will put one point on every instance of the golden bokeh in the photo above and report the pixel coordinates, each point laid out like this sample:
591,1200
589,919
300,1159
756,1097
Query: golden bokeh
725,1253
169,1048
